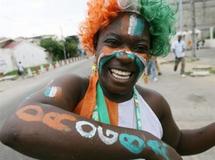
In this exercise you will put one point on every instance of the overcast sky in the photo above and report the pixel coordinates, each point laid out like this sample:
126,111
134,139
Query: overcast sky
39,17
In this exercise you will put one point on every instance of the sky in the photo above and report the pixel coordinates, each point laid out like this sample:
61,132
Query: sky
29,18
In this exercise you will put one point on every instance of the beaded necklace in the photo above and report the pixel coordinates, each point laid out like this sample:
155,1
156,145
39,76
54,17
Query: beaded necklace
100,112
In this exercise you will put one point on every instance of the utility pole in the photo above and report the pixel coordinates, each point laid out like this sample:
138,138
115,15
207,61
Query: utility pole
63,40
181,22
193,17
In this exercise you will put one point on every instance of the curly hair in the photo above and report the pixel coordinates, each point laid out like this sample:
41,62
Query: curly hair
157,13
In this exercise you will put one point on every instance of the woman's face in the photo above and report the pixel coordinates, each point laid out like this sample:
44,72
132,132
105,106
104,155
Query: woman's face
127,32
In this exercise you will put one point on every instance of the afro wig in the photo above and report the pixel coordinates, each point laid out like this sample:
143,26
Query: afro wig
157,13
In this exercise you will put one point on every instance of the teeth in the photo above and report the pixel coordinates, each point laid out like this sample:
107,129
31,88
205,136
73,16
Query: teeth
120,77
120,73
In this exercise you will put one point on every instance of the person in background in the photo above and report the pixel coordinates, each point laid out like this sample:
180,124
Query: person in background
178,48
107,116
152,68
158,67
21,69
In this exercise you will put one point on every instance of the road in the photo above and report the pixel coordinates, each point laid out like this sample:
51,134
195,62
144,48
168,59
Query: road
13,92
191,98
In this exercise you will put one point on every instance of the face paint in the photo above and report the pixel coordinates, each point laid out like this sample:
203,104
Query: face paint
53,92
138,60
54,120
158,148
86,134
136,26
112,136
128,141
35,116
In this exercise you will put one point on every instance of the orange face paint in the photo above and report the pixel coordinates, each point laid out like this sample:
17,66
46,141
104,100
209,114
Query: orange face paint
54,120
31,113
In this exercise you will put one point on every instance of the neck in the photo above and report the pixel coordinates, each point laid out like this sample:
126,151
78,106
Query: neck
118,98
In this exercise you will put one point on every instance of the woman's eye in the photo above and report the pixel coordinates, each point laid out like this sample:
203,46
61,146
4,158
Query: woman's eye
112,42
141,49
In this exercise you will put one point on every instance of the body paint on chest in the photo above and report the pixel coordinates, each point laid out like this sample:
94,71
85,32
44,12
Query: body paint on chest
136,26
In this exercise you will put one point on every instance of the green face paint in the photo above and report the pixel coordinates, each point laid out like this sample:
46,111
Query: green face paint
133,143
136,26
139,61
158,148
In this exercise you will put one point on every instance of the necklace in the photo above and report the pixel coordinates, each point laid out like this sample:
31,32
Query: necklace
100,112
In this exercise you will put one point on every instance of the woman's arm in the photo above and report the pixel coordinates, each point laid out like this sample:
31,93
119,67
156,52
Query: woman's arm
197,140
186,142
46,132
45,128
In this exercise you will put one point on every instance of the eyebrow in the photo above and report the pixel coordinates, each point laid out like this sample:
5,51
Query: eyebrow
115,35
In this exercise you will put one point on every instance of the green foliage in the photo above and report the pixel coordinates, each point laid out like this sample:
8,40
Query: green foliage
71,46
54,47
11,73
212,70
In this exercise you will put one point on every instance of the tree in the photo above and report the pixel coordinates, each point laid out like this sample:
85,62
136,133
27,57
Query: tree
54,47
71,45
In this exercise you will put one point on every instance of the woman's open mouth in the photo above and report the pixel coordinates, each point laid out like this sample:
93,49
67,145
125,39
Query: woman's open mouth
120,74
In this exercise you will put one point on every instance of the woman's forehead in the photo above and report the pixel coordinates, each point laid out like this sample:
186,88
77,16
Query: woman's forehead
127,23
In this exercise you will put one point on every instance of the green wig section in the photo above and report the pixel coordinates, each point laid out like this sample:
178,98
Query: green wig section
161,18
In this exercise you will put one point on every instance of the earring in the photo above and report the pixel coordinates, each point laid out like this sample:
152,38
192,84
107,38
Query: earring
94,68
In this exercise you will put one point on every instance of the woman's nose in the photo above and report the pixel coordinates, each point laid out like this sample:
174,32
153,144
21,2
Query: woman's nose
125,57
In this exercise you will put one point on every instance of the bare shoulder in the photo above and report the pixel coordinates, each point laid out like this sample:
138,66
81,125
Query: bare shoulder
155,100
64,92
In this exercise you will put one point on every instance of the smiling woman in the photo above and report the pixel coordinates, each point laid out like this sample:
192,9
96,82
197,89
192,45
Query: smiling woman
107,116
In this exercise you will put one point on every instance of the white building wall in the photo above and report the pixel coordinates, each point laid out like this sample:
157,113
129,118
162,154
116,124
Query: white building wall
6,63
30,55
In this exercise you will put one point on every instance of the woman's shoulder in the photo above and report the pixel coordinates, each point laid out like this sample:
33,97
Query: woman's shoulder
154,99
74,83
73,86
71,81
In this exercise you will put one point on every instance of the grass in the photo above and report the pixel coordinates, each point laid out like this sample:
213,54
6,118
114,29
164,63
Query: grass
212,70
12,73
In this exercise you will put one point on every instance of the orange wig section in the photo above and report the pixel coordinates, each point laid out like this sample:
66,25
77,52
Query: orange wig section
99,14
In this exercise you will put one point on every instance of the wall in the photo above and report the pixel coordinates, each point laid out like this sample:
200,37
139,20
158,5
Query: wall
7,64
205,12
30,54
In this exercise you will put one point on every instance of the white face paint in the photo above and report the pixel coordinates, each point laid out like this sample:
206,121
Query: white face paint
136,26
112,136
86,134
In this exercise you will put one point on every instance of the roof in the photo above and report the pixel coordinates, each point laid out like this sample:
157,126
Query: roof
11,44
5,41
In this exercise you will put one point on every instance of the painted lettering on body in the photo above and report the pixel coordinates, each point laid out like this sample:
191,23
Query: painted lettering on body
110,138
133,143
54,120
31,113
158,148
87,134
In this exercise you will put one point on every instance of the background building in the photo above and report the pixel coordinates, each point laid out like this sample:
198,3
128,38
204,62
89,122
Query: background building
204,11
28,54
